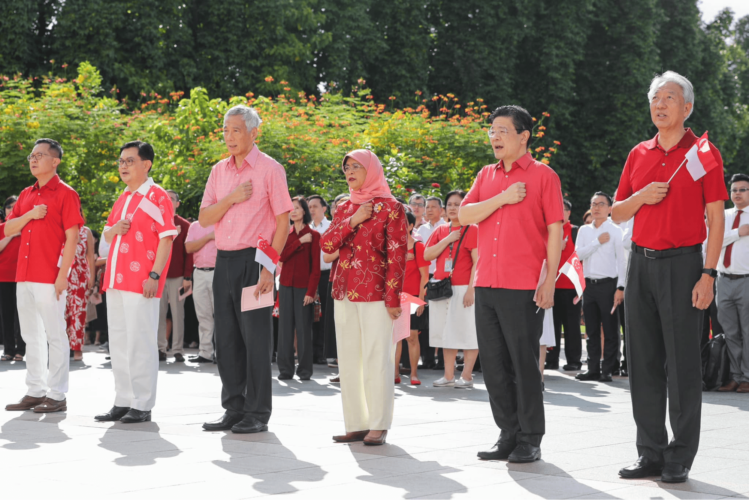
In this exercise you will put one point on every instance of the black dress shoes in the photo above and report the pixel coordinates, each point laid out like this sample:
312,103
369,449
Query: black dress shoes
499,451
200,359
285,377
178,358
162,356
644,467
589,375
674,473
605,377
225,423
624,372
320,361
249,425
136,416
525,453
551,366
572,367
113,415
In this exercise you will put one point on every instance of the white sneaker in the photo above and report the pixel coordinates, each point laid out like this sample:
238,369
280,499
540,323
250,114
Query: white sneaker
461,383
443,382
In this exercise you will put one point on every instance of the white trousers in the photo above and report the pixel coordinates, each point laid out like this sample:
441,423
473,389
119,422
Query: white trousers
133,329
42,320
170,297
364,334
202,297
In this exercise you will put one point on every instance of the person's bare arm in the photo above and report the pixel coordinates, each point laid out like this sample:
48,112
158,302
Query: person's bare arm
195,245
470,297
651,194
702,294
4,242
473,213
15,226
330,257
265,283
68,254
210,215
163,252
545,296
434,251
121,228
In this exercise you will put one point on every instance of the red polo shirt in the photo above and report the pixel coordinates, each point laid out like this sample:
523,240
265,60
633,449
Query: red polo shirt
568,246
678,220
42,239
9,257
301,261
512,240
462,261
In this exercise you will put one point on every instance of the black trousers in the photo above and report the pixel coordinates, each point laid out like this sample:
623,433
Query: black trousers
244,340
509,331
294,315
598,301
623,322
710,319
12,342
664,355
331,347
318,327
567,317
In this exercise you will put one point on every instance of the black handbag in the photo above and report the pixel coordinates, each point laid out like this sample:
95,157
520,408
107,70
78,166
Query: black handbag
443,289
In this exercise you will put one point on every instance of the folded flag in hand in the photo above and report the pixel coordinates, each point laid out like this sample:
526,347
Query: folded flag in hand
151,209
700,159
266,255
573,269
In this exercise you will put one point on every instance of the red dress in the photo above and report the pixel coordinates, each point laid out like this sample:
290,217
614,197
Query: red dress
75,307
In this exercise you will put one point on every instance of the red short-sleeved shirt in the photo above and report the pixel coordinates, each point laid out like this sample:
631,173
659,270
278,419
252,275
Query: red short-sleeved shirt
42,239
414,261
464,262
512,240
9,257
678,220
131,257
568,246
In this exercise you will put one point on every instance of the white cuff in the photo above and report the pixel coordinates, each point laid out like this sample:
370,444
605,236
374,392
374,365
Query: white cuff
172,232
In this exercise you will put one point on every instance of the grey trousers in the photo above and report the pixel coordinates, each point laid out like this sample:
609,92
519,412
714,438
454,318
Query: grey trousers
292,314
733,315
664,358
170,299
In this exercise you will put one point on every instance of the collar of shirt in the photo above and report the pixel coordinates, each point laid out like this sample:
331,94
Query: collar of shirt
250,160
51,184
324,224
685,142
522,162
143,189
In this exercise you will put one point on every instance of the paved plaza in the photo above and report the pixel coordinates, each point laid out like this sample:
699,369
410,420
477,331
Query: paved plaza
432,452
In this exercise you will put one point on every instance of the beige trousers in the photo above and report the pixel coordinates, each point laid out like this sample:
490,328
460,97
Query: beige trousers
170,297
364,333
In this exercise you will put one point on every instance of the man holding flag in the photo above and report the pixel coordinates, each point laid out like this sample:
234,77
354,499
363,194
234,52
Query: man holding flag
667,287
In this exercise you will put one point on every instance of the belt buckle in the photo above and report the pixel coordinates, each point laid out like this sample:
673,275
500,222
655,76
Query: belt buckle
646,250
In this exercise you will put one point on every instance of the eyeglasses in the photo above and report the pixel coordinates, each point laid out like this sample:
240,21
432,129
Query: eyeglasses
739,190
37,156
504,132
356,167
600,204
127,161
414,204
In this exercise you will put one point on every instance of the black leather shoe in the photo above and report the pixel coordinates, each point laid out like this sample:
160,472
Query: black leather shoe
200,359
605,377
249,425
136,416
624,372
178,358
162,356
499,451
113,415
644,467
525,453
674,473
225,423
320,361
551,366
572,367
589,375
285,377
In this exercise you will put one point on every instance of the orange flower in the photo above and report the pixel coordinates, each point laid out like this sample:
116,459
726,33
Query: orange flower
268,79
557,143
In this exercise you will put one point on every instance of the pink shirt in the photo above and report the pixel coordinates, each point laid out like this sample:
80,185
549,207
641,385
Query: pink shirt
131,257
206,256
244,223
512,240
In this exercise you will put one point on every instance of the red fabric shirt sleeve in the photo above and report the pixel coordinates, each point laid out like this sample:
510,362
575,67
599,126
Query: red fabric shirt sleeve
553,204
314,275
339,231
291,246
471,239
396,231
474,195
713,184
624,190
167,212
420,262
71,210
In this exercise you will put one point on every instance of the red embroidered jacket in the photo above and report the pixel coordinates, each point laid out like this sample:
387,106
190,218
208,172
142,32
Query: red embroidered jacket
372,259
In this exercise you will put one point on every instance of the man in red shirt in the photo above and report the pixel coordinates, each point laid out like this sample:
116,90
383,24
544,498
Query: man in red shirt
48,215
667,287
517,204
247,198
178,276
140,229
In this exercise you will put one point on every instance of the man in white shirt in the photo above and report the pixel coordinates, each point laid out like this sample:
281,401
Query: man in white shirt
418,203
621,355
599,247
733,299
317,208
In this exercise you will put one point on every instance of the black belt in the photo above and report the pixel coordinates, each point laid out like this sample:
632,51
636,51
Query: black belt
599,280
734,276
205,268
664,254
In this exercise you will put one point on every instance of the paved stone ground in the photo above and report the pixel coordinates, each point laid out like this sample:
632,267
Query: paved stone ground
432,450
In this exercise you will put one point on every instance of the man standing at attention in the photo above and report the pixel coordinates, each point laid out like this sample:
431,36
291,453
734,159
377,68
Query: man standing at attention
517,204
178,276
48,215
200,242
667,287
418,204
246,198
317,208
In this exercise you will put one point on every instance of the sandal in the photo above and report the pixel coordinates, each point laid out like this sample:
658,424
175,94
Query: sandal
6,357
18,357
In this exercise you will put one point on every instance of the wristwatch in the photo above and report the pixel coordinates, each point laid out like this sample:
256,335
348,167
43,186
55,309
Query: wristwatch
154,276
710,272
620,288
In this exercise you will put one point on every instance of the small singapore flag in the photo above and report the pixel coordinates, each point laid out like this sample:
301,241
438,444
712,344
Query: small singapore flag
266,255
151,209
700,159
573,269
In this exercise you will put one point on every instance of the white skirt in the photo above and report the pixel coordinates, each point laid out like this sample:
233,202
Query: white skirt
451,325
547,336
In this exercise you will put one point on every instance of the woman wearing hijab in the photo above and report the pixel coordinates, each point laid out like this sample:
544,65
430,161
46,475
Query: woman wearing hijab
369,231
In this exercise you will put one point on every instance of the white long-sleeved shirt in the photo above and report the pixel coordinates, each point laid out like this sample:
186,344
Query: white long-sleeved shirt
627,227
324,225
740,252
602,260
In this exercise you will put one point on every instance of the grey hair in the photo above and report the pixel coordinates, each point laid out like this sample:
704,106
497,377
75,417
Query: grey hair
250,116
417,196
672,76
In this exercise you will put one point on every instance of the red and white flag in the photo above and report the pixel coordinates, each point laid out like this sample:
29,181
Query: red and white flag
266,255
573,269
700,159
151,209
402,325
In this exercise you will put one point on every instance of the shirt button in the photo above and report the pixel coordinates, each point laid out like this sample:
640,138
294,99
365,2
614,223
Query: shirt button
664,164
666,154
495,254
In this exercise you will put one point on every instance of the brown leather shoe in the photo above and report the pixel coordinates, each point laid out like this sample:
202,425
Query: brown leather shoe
376,441
351,437
729,387
51,405
27,403
743,387
335,380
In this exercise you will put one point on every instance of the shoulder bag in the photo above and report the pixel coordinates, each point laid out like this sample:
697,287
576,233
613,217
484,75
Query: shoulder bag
443,289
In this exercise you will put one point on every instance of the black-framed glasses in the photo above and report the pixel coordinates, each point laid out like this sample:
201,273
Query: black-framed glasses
600,204
414,204
127,161
37,156
739,190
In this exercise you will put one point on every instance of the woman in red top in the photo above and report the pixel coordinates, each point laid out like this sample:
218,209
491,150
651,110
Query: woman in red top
15,347
452,322
417,275
300,274
370,232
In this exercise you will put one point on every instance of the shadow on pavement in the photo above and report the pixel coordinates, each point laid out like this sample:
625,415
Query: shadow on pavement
21,434
137,453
